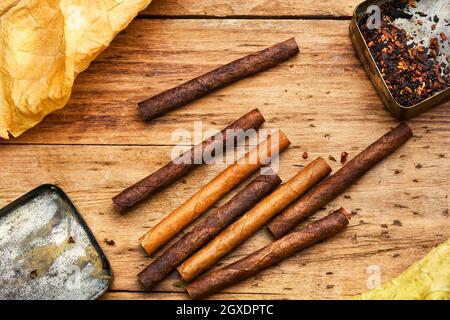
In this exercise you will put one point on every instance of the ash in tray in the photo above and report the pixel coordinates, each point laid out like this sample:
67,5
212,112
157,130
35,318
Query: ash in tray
46,253
412,48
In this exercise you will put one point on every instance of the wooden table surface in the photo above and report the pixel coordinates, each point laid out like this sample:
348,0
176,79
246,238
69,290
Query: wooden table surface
322,99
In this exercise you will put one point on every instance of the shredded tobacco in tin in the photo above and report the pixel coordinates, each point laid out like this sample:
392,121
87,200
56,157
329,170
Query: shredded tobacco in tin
411,70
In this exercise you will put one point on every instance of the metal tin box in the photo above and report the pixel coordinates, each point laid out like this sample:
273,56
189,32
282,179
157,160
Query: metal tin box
48,251
361,48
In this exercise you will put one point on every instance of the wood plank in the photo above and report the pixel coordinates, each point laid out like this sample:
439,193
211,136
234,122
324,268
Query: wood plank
322,99
324,86
123,295
254,8
91,175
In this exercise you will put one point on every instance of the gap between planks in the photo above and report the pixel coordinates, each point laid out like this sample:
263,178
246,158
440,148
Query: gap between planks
185,293
241,17
92,144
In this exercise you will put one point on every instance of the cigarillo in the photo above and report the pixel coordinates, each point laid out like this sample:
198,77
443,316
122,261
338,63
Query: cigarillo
179,167
218,78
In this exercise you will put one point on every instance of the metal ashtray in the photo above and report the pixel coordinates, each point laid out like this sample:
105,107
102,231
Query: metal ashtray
432,8
47,250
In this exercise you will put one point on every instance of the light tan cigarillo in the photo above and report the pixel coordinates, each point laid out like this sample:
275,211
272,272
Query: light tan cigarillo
213,191
253,220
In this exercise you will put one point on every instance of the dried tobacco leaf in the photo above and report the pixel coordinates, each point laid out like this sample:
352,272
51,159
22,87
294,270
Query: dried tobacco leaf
44,45
427,279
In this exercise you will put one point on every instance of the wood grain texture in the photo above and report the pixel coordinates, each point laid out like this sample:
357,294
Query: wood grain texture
122,295
91,175
322,99
253,8
324,85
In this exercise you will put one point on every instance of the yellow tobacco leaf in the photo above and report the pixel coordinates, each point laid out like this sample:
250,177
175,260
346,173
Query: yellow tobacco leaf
44,45
427,279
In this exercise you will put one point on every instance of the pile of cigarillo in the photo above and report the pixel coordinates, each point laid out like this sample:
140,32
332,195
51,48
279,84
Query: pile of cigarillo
265,201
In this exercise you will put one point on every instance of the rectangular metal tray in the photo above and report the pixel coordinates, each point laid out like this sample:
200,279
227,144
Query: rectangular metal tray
363,52
48,251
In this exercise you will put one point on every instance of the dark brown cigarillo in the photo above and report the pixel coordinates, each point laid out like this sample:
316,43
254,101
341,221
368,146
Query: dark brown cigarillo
225,75
341,180
269,255
185,163
208,228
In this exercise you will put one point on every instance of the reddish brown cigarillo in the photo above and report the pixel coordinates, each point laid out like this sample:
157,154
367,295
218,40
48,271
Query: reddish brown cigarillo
269,255
225,75
179,167
208,228
341,180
